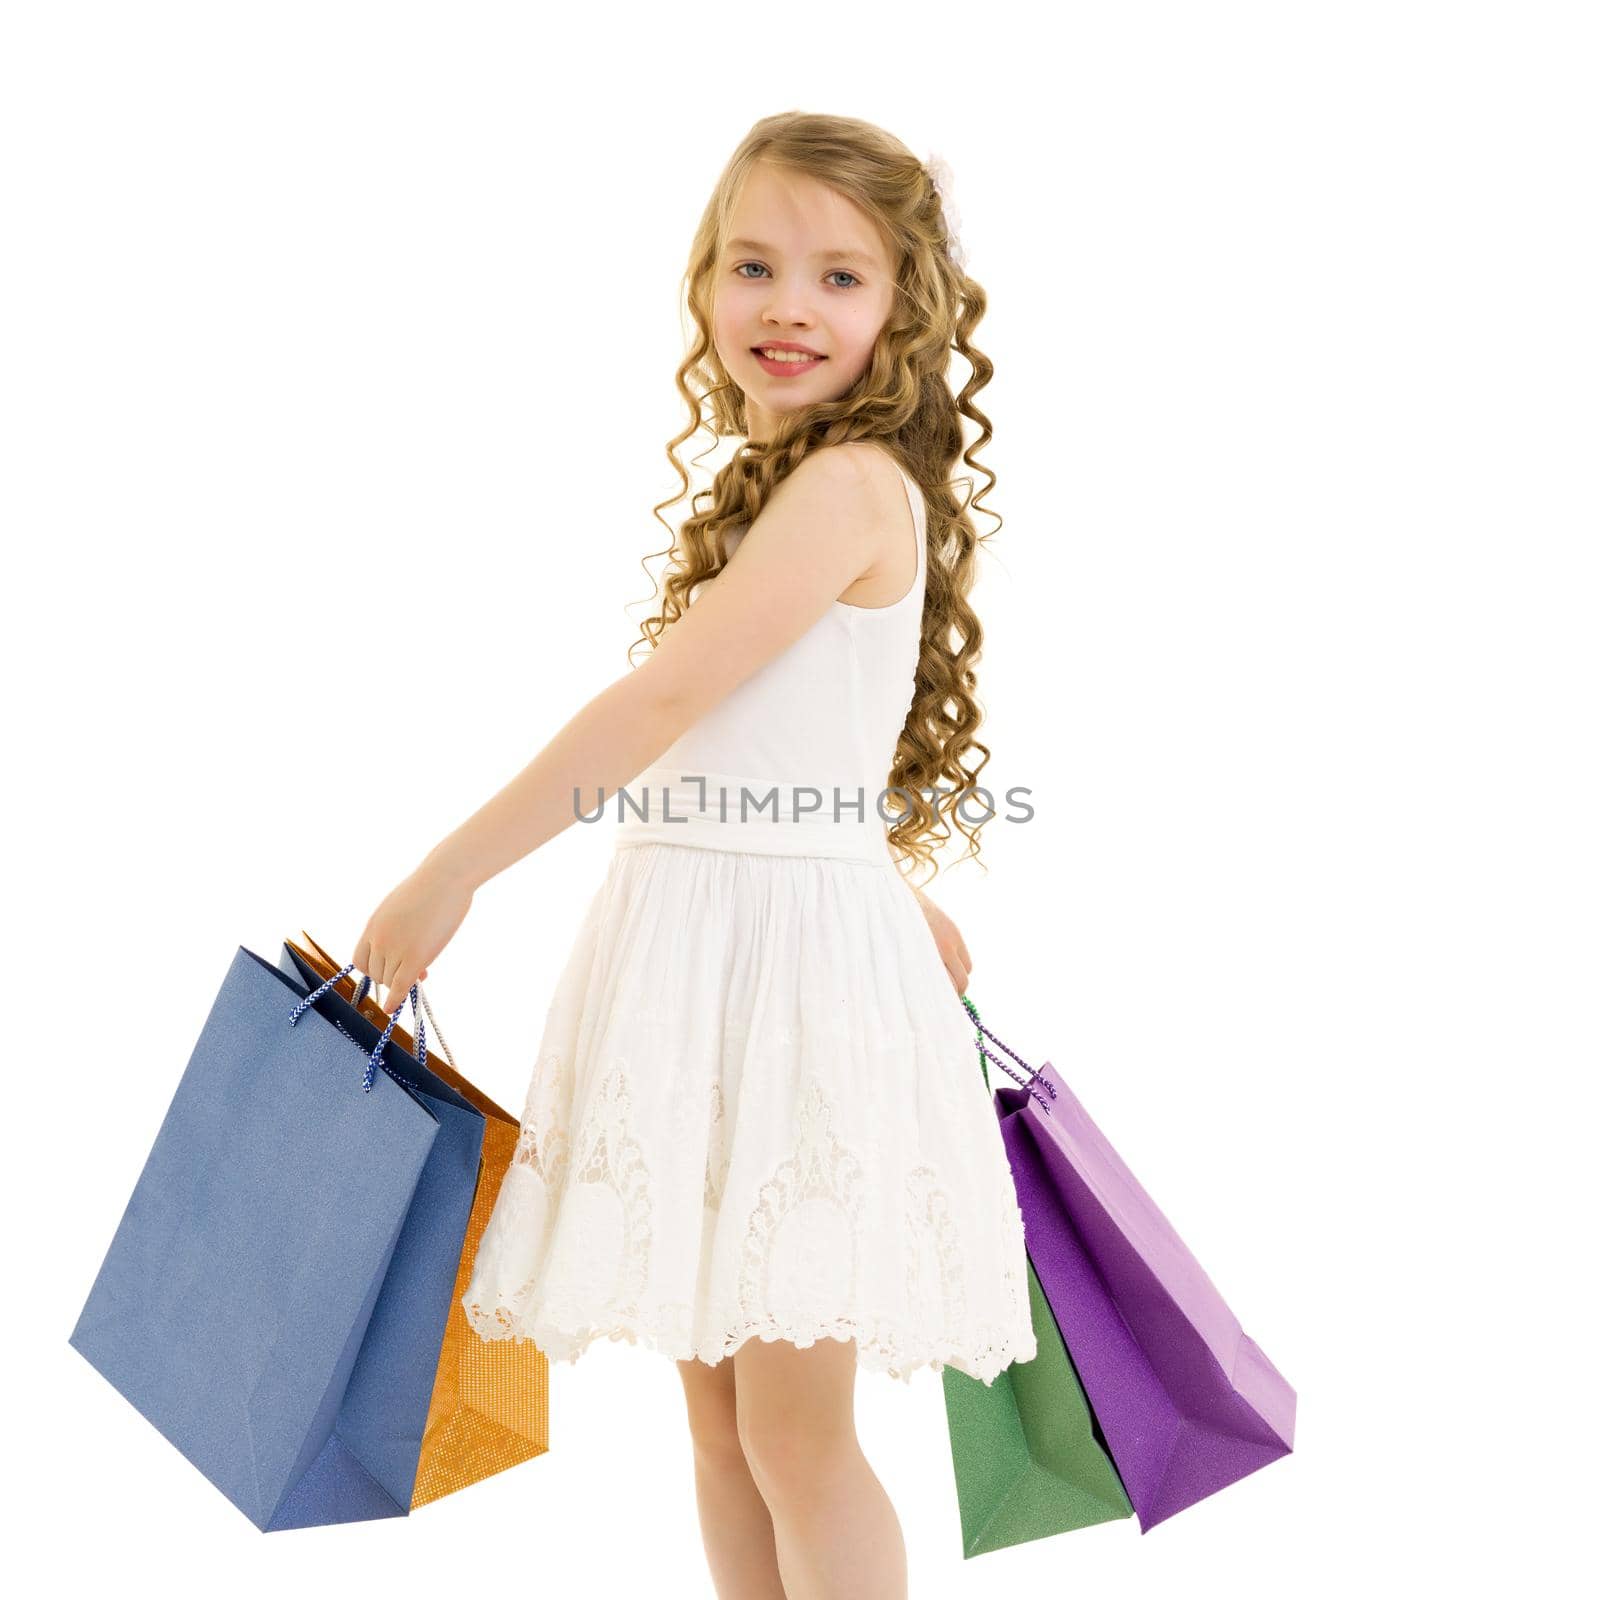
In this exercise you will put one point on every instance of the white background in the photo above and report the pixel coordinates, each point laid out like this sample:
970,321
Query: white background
337,361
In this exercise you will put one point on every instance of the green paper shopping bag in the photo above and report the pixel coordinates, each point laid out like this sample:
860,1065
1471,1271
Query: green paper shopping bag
1028,1458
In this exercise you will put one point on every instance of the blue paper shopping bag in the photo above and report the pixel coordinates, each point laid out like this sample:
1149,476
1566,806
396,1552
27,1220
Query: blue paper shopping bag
276,1292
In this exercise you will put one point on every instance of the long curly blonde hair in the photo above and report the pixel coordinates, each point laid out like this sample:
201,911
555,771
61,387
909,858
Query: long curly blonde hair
902,401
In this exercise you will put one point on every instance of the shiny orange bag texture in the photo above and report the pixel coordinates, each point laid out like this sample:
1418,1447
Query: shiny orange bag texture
491,1398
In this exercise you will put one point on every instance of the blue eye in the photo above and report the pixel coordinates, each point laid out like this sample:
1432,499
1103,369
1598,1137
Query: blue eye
838,273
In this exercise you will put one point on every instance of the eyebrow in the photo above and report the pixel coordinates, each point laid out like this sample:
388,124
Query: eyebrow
863,256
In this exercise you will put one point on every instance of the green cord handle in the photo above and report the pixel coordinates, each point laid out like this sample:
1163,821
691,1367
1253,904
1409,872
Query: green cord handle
983,1055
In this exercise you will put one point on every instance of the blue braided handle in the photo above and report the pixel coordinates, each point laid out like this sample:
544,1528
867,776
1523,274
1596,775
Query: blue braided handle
1030,1083
372,1061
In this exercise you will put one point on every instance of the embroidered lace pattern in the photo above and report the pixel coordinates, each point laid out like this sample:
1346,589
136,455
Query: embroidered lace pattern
697,1167
802,1235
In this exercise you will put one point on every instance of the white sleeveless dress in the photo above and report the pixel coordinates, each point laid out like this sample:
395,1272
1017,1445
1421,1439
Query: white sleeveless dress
757,1108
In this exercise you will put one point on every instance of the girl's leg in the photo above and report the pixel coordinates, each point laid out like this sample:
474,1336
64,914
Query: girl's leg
734,1522
838,1537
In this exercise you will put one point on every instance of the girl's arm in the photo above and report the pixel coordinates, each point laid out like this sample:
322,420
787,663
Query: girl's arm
947,938
823,528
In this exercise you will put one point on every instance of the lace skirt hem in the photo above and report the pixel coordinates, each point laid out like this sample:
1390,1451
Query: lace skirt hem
877,1350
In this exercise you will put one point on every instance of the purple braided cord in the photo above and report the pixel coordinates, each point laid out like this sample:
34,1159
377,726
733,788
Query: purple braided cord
1033,1072
1033,1079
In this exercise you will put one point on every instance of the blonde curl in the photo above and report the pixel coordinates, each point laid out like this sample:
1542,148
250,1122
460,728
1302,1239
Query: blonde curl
903,403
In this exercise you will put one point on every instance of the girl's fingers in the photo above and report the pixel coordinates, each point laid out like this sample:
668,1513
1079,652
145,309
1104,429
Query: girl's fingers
954,965
388,973
391,971
364,966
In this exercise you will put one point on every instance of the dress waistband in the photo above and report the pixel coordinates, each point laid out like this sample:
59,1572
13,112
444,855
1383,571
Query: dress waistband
719,811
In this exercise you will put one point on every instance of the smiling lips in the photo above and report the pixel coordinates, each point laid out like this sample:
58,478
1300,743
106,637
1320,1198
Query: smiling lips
784,363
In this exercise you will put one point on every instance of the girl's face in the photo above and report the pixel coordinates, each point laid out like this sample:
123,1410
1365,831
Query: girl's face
802,265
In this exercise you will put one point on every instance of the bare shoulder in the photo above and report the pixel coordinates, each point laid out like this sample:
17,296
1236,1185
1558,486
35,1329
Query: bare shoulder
857,486
867,479
856,464
812,544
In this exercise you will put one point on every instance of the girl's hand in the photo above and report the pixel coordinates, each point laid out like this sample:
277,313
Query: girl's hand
952,947
410,928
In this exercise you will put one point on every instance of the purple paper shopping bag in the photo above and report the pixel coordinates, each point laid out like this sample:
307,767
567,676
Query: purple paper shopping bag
1187,1402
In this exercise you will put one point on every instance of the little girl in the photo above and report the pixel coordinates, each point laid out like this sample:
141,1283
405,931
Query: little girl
757,1126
